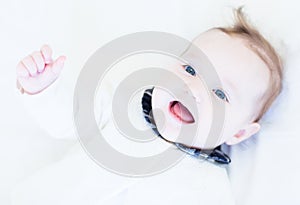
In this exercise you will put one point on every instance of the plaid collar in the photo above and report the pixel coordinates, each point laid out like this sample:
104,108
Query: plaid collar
215,155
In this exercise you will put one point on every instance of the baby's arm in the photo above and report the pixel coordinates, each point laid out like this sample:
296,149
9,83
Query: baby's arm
49,104
52,105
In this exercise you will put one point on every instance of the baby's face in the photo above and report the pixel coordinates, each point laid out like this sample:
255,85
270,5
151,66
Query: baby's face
244,77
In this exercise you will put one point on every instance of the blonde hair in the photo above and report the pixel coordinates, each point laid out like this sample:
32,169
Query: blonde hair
256,42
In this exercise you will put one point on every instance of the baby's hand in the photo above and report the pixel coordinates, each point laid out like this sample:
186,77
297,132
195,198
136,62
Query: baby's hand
38,71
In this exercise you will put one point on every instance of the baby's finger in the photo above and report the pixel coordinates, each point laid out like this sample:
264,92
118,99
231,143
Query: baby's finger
47,53
21,70
58,64
30,65
52,71
39,61
20,88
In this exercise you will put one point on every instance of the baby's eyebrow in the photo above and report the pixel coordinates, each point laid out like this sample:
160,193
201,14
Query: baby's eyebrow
233,91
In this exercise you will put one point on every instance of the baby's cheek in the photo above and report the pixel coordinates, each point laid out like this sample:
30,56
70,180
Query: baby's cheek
234,121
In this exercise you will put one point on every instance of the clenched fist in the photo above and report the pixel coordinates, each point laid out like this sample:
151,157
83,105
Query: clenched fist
38,71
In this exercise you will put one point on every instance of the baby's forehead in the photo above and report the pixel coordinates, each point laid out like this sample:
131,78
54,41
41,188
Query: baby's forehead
233,60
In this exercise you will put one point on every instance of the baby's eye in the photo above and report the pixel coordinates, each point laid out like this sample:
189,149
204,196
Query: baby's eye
220,94
190,70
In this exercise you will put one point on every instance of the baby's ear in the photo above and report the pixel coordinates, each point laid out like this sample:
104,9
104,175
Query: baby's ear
244,134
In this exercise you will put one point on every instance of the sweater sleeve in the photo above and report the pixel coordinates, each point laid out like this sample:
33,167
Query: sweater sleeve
53,111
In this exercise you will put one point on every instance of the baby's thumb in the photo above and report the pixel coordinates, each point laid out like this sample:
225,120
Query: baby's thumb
58,64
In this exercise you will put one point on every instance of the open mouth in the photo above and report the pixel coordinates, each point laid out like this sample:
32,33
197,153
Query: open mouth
180,112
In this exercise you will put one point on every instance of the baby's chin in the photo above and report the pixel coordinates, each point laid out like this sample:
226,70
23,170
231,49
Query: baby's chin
187,133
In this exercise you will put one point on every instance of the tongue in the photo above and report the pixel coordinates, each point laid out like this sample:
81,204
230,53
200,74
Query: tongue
182,112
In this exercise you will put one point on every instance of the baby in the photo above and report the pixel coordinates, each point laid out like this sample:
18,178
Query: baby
250,71
248,66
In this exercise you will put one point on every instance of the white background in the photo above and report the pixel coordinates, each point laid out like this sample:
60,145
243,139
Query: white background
265,170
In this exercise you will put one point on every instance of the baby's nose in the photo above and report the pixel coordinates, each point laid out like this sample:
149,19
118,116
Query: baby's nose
197,92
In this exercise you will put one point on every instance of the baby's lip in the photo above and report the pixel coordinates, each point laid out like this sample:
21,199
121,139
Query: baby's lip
180,112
